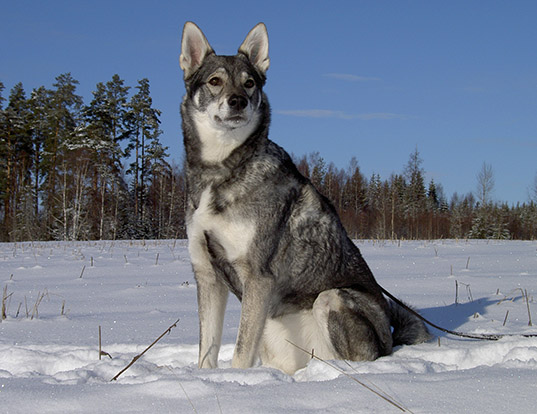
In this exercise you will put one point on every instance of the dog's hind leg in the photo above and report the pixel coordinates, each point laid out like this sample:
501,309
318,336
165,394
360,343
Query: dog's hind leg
355,325
342,324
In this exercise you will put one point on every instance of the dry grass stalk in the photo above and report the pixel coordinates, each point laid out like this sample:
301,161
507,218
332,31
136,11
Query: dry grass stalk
137,357
528,305
5,305
35,310
382,394
505,319
188,398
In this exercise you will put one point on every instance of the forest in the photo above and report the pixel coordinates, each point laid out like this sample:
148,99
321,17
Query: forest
71,170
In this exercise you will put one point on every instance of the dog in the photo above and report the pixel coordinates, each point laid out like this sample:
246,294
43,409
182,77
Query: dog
259,229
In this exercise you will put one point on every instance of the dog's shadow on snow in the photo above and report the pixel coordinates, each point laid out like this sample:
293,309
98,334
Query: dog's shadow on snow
455,315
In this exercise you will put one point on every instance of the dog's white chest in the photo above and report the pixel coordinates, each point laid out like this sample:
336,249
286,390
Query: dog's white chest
233,232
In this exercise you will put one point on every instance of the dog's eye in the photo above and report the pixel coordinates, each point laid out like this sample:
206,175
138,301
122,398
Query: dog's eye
249,84
216,81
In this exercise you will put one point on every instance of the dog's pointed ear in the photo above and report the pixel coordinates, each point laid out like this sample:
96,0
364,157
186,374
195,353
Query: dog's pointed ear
255,47
194,48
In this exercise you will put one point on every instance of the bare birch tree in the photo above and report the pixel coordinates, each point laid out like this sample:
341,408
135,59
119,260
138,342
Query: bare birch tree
485,184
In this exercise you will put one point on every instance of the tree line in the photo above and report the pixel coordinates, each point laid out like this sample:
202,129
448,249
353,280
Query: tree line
404,206
71,170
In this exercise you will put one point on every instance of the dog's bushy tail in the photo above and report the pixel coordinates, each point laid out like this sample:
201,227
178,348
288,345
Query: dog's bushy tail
408,329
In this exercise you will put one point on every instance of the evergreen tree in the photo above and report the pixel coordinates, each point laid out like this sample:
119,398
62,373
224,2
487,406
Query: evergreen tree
104,127
40,127
160,186
376,206
527,215
414,192
462,212
2,99
433,201
63,117
3,150
354,200
397,193
16,160
144,124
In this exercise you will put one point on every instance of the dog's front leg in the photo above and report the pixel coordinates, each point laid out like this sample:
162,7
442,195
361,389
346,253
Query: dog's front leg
257,292
212,300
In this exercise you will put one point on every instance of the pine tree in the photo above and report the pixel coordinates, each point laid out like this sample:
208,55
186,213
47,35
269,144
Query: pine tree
2,99
462,213
354,200
528,221
433,200
144,124
63,117
16,156
40,126
160,186
397,193
415,192
376,207
3,145
104,127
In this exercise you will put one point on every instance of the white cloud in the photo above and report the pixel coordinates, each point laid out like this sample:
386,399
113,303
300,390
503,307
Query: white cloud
312,113
350,78
327,113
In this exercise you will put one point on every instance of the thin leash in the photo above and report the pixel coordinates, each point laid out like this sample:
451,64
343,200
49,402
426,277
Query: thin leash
486,337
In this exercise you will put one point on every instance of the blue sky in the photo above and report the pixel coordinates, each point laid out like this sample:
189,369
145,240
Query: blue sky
370,79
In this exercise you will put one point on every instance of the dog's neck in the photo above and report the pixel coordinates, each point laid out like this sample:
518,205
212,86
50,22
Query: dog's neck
218,143
213,148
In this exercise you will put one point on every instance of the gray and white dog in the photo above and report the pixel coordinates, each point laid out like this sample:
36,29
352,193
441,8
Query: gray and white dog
258,228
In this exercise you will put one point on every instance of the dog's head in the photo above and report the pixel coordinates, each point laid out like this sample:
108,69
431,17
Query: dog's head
227,90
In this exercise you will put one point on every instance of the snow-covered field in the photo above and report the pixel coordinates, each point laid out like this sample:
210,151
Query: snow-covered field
58,294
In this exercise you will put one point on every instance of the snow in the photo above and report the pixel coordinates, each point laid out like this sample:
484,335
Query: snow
135,290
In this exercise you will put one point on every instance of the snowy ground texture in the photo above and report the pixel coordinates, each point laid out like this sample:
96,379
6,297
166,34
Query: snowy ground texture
135,290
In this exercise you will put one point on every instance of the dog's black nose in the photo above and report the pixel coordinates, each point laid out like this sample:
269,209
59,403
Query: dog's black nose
237,102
